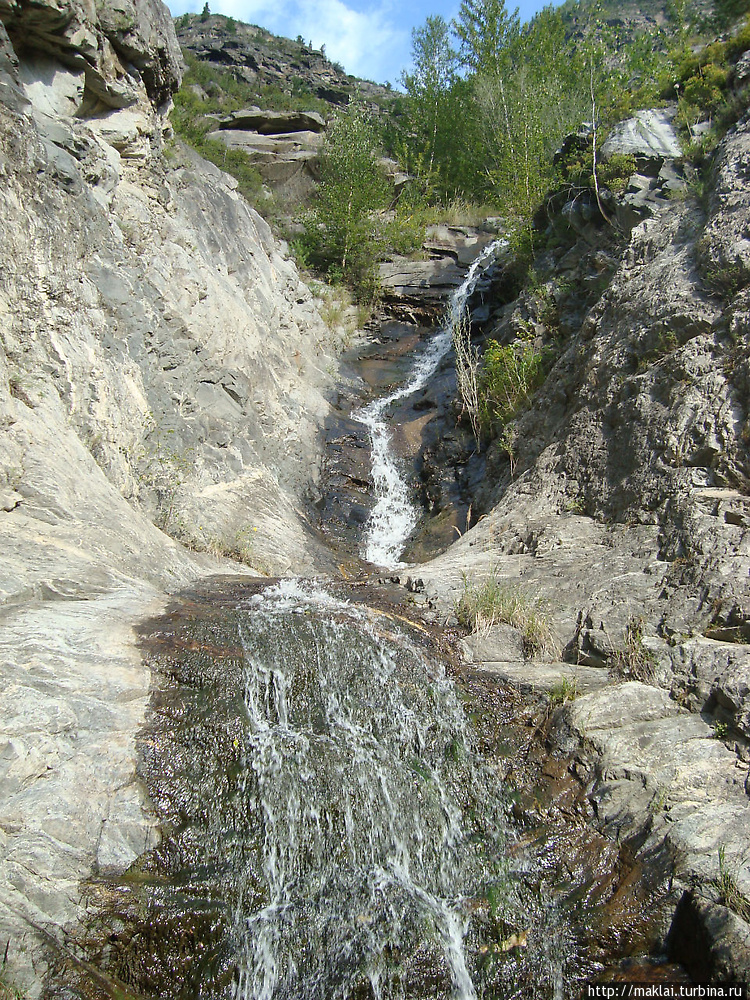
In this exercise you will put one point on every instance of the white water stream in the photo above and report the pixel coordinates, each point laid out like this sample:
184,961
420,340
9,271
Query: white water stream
395,514
362,856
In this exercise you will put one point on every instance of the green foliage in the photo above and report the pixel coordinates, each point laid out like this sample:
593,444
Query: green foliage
533,95
576,171
494,602
703,92
484,29
508,377
441,128
525,87
344,233
726,279
405,232
205,13
227,92
564,691
614,172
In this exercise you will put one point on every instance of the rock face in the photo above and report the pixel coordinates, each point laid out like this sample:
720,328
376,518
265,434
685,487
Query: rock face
282,146
648,134
619,498
651,140
418,290
118,49
259,57
162,373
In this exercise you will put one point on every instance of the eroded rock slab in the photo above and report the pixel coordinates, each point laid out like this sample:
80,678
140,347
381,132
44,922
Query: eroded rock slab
163,373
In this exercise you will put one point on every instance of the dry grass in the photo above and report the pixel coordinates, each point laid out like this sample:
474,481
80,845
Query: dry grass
464,213
729,892
493,602
8,992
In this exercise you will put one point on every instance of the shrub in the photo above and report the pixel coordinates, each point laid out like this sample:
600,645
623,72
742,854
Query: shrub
508,378
493,602
344,232
704,92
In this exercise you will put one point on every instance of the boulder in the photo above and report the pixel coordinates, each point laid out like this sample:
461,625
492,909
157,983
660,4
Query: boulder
274,122
648,134
420,289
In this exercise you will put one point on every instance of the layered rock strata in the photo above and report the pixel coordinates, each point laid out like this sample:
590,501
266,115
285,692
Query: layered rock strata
162,371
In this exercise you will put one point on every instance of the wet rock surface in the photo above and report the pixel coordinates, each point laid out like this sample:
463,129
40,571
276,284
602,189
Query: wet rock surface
605,909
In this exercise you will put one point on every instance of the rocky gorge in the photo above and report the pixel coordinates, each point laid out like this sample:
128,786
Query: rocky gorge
165,381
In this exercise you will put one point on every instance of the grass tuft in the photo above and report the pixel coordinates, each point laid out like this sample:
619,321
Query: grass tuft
729,892
493,602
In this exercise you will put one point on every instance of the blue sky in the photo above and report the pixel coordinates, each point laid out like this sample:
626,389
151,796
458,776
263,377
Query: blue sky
370,38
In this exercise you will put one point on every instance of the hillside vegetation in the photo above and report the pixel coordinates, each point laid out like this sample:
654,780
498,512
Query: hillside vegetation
485,106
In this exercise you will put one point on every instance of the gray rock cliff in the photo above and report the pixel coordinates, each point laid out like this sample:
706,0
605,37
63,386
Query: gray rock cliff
619,499
162,375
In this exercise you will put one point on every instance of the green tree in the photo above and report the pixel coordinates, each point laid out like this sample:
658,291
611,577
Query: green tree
440,134
343,234
484,29
529,95
428,86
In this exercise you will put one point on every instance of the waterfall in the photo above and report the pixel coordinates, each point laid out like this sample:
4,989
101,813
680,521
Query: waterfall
360,856
330,829
395,514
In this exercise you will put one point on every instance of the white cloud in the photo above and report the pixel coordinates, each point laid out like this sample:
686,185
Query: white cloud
260,12
367,43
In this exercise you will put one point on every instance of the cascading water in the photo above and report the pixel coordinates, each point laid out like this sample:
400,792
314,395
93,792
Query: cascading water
361,833
332,835
395,514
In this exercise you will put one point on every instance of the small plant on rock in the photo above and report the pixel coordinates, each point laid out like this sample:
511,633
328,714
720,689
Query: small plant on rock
467,373
729,892
564,691
7,990
493,602
721,730
164,467
634,662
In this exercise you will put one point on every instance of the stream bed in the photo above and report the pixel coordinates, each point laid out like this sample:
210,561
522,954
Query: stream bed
347,813
382,500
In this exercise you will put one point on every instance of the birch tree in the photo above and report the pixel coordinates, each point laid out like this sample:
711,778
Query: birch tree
344,230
